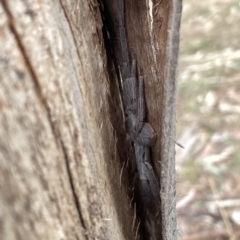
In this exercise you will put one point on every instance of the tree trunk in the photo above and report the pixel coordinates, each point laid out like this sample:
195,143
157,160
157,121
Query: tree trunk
66,163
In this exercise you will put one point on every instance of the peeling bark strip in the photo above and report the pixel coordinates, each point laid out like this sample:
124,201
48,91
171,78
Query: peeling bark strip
65,160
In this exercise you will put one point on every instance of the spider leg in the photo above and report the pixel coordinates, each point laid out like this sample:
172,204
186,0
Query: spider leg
133,66
130,90
141,110
134,84
121,12
124,59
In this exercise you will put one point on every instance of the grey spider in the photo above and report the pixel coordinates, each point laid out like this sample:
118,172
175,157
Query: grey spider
140,132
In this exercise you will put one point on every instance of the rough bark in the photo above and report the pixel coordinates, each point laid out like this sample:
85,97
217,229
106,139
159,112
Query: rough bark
65,159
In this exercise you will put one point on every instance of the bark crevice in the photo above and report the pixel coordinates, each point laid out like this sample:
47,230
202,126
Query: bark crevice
74,193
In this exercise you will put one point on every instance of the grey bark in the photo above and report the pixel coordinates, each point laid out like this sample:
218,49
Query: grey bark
65,159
